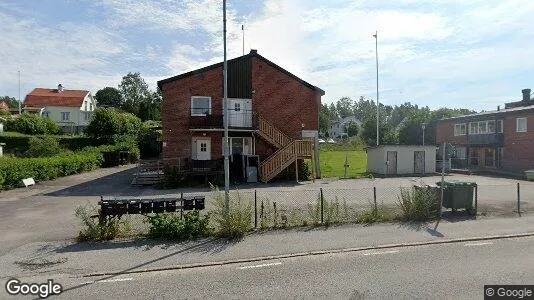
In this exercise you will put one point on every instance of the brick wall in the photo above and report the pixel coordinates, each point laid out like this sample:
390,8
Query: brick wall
283,100
518,147
177,110
279,98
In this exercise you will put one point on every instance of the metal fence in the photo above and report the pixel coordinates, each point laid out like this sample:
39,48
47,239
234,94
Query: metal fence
282,208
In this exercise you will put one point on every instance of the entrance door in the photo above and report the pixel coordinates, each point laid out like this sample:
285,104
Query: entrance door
392,162
419,162
202,149
240,112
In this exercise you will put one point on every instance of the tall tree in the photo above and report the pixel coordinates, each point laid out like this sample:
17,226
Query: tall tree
345,107
109,97
134,91
387,134
11,101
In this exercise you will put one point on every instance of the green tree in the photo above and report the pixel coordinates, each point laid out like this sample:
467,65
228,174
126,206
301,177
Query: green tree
44,146
32,124
387,134
11,101
111,126
134,91
345,107
324,119
109,97
352,129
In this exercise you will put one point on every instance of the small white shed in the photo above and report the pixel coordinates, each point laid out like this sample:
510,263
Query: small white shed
401,159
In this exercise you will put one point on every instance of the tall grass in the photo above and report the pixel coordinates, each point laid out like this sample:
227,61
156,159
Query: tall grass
419,204
234,219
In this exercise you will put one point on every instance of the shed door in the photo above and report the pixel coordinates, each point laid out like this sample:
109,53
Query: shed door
392,162
419,162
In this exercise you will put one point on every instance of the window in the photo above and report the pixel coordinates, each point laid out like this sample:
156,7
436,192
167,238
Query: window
461,152
203,147
200,106
499,126
473,128
521,125
65,116
239,145
482,127
460,129
86,105
91,106
237,107
46,114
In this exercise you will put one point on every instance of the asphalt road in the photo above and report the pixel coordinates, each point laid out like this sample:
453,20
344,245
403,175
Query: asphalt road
445,271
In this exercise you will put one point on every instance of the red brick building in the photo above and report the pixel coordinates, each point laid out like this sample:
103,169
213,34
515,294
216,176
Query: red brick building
495,140
271,113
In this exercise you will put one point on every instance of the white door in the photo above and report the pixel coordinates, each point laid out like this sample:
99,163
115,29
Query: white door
202,149
240,112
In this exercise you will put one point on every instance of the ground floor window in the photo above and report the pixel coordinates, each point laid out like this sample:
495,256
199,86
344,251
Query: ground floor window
241,145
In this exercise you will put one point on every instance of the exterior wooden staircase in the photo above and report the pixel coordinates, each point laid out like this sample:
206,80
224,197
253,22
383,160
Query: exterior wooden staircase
289,150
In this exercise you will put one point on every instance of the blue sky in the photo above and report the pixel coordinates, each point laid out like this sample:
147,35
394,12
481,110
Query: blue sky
475,54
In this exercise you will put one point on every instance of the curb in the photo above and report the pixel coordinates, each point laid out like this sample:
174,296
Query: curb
310,253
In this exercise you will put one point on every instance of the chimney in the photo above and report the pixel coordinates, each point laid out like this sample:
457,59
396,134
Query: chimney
498,107
526,94
253,51
59,88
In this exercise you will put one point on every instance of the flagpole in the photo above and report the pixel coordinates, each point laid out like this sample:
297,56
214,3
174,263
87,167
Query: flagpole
377,96
225,116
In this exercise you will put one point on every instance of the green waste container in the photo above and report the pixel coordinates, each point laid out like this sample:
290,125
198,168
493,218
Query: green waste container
458,195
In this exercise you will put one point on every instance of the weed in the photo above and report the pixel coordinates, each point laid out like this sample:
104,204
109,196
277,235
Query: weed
232,219
100,229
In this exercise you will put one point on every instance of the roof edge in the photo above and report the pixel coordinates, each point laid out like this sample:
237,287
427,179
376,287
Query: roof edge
252,53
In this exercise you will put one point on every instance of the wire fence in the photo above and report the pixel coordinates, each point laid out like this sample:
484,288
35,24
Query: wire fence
284,208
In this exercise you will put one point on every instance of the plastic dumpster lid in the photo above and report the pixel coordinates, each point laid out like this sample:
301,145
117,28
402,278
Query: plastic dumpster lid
456,183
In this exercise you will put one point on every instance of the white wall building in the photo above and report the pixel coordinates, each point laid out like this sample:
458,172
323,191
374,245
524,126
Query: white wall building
338,128
72,110
401,160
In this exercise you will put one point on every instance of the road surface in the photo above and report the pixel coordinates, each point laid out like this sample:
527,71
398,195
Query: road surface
444,271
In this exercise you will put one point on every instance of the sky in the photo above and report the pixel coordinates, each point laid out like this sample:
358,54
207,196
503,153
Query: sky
474,54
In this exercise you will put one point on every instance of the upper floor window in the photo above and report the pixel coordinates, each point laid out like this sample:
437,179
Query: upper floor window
91,106
482,127
46,114
499,126
200,106
460,129
65,116
521,125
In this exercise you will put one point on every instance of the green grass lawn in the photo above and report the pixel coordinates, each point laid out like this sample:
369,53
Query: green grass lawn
332,163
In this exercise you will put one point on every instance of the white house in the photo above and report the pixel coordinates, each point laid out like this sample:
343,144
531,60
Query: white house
401,159
338,129
72,110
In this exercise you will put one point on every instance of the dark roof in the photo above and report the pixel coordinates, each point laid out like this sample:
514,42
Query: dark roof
493,112
253,53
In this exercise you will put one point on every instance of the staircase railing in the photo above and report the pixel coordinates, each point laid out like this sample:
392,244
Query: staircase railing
284,157
271,133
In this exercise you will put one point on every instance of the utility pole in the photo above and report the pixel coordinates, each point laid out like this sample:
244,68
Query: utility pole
225,116
243,30
20,105
423,125
377,101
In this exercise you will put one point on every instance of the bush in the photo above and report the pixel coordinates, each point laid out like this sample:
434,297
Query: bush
289,173
95,229
32,124
234,220
171,226
45,146
419,204
13,170
108,125
130,146
18,143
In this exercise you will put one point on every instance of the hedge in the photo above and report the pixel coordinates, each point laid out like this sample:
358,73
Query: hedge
18,143
14,169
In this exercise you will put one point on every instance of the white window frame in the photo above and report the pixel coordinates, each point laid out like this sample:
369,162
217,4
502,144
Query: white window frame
252,144
65,116
501,125
193,98
477,126
517,124
458,129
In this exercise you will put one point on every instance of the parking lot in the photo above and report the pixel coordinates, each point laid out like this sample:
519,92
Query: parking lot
46,211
